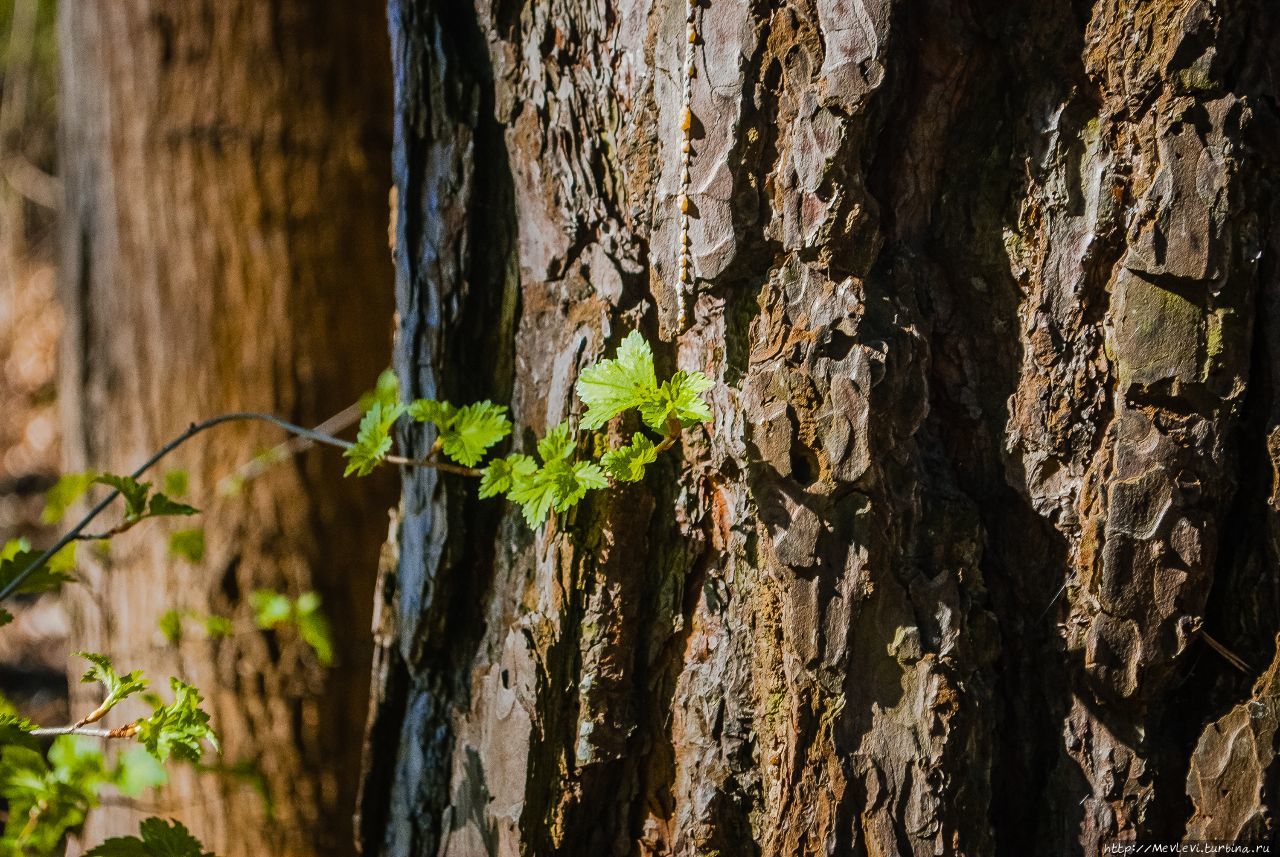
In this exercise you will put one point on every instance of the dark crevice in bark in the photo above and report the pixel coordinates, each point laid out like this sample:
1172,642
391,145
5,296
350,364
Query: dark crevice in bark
457,281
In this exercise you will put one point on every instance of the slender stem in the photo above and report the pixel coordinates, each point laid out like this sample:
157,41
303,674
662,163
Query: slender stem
124,527
192,430
673,435
435,464
122,732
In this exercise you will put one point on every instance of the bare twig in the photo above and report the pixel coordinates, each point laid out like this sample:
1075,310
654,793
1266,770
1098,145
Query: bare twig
192,430
259,464
120,732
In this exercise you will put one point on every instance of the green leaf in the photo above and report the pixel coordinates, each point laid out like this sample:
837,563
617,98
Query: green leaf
179,728
176,482
627,463
498,477
187,544
313,627
13,547
373,441
431,411
270,608
134,493
136,771
573,485
64,561
216,627
680,399
5,617
119,687
473,430
535,493
612,386
161,505
171,626
559,484
50,796
15,729
274,609
158,839
64,494
558,444
386,390
17,557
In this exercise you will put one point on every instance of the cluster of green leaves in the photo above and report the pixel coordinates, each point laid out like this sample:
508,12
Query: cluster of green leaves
180,728
628,381
118,687
557,482
172,624
140,501
17,555
557,478
50,793
272,610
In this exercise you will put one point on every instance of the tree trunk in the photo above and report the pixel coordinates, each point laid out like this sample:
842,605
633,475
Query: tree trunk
227,171
989,290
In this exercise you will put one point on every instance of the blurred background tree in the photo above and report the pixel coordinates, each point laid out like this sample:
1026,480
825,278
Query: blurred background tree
226,168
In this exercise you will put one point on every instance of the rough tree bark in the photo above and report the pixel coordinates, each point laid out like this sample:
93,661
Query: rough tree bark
227,169
990,292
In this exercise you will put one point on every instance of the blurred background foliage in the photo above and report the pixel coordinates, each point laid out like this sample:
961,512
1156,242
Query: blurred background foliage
33,649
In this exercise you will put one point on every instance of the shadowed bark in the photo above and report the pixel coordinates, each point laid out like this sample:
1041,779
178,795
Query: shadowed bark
988,292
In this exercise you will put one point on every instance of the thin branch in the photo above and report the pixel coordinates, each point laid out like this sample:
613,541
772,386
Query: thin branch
435,464
89,731
259,464
124,527
192,430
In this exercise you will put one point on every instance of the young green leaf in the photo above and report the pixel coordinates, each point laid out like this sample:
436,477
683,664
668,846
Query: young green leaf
559,485
63,495
178,728
64,561
136,771
572,486
187,544
171,626
558,444
612,386
270,608
373,441
15,729
134,492
313,627
215,627
679,398
627,463
274,609
535,493
162,505
118,687
176,482
158,838
473,429
48,797
385,390
432,411
498,477
17,556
